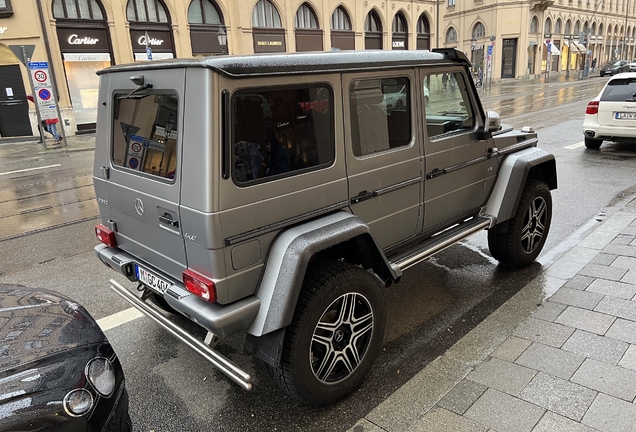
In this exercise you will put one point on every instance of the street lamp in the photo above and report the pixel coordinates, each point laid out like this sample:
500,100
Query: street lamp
473,44
222,37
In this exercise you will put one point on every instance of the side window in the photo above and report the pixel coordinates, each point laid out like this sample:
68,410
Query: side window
281,131
380,114
448,107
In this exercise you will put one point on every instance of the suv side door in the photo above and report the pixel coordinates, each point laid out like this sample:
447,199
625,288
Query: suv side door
455,157
383,153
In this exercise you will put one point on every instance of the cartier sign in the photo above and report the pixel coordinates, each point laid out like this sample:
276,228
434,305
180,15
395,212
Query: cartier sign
77,40
151,41
83,40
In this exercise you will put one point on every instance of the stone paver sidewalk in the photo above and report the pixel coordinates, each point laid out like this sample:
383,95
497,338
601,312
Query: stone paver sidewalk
569,366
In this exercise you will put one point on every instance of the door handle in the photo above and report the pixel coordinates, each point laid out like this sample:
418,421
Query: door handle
362,196
435,173
169,221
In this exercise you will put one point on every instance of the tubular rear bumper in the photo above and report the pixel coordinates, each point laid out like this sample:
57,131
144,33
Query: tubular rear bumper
222,320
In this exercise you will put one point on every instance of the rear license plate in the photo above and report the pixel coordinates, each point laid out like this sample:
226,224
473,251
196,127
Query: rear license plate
151,280
625,116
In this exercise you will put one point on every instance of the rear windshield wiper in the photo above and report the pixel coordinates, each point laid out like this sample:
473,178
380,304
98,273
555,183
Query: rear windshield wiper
138,89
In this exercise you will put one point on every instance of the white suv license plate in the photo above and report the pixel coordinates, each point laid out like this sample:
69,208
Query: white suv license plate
151,280
625,116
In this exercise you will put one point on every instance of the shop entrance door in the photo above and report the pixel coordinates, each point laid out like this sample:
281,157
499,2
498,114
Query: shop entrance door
14,107
509,58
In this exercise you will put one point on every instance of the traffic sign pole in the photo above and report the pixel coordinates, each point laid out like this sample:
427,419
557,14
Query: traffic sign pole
37,106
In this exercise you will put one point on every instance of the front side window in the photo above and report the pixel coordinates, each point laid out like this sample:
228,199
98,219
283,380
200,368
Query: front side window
145,133
380,111
448,109
281,132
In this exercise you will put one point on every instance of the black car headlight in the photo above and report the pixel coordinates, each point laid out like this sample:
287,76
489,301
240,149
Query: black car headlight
78,402
101,375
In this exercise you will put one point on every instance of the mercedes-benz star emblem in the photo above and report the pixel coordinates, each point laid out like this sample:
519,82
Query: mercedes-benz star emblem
139,206
339,336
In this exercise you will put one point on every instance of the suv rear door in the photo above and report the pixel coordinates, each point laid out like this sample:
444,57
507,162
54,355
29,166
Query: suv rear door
617,106
142,140
383,154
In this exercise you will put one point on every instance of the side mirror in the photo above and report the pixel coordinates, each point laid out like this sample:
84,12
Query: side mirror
492,124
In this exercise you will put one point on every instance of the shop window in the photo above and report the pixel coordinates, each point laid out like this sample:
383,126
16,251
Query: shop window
534,25
451,35
306,18
146,11
282,132
380,114
423,26
5,9
479,31
265,15
77,9
399,24
340,20
372,23
204,12
145,133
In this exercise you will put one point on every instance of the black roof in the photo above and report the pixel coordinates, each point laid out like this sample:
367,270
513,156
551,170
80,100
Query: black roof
302,63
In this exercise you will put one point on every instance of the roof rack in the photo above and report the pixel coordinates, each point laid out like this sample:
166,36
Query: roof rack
453,53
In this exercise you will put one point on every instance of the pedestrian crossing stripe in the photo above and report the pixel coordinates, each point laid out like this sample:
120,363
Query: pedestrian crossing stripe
575,146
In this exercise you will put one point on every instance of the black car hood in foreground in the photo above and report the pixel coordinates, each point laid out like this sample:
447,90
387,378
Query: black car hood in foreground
36,324
45,343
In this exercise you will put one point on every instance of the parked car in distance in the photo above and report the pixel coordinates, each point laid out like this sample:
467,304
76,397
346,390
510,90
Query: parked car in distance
614,67
632,65
611,116
58,371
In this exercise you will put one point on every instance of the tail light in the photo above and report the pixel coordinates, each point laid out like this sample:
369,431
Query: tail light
105,236
592,108
199,285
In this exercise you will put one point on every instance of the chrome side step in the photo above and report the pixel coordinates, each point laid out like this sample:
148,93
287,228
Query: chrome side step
229,368
439,242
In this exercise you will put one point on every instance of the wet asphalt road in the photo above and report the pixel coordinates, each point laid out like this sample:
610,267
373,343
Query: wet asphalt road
46,239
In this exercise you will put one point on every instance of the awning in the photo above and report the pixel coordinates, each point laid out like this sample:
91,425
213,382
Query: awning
582,48
553,49
571,46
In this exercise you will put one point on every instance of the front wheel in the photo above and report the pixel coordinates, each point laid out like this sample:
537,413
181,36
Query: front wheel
592,143
335,335
521,243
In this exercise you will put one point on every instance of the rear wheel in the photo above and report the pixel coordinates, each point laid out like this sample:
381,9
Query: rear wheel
335,335
527,230
592,143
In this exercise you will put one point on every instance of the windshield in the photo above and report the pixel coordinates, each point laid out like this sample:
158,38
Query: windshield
145,133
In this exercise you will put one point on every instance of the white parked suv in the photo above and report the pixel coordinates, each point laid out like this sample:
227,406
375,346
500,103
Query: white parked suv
611,116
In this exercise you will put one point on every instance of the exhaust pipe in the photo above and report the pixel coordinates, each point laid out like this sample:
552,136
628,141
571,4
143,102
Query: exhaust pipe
226,366
589,134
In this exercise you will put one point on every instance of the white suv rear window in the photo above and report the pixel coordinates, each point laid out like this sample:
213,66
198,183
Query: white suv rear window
620,90
145,133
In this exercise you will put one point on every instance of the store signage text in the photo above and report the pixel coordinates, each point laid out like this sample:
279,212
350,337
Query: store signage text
3,29
76,40
398,44
269,43
151,41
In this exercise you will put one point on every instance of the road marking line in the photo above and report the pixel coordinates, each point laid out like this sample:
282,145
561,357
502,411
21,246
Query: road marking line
575,146
30,169
119,318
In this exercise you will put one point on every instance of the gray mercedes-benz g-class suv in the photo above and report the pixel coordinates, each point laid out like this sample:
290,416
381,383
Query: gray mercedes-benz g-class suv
279,196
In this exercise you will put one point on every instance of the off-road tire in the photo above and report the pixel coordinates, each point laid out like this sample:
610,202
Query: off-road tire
533,218
592,143
325,284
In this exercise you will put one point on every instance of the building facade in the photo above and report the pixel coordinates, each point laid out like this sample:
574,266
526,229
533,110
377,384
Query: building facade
80,37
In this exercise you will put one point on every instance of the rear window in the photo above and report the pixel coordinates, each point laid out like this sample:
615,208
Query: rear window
145,133
281,132
620,90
